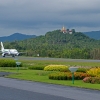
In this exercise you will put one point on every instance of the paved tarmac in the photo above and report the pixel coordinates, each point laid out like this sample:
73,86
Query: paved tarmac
14,89
57,59
47,58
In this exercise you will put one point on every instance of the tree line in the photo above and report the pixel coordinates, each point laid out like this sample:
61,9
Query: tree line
58,45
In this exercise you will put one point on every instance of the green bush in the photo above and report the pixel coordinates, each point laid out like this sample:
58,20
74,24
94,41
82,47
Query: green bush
93,80
67,75
58,76
81,70
36,67
7,63
61,68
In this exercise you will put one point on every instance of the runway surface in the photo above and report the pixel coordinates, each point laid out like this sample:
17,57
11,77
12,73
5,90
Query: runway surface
62,59
47,58
14,89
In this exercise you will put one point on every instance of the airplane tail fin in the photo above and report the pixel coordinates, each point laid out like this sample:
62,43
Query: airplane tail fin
2,47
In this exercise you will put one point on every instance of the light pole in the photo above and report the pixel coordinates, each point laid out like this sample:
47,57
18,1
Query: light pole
17,64
73,69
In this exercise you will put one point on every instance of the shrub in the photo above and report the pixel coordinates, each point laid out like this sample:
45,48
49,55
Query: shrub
56,68
87,80
58,76
7,63
81,70
80,75
36,67
94,72
93,80
67,75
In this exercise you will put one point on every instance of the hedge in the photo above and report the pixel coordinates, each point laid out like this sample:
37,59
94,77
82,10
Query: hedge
36,67
8,63
62,68
67,75
94,72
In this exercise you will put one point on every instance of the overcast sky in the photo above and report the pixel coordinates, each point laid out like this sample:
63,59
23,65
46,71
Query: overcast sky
40,16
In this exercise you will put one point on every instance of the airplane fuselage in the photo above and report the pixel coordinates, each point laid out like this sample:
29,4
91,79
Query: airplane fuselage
12,52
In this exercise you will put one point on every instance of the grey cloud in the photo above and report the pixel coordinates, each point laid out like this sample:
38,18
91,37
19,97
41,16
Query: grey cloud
47,15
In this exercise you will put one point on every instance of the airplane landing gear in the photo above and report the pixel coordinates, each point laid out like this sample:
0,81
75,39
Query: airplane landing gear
13,55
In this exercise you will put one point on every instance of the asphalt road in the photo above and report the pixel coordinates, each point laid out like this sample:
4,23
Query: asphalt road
13,89
7,93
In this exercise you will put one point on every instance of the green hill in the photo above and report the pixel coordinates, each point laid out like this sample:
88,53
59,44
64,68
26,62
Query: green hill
58,44
77,39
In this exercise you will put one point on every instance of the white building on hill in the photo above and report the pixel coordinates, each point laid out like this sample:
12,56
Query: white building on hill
64,30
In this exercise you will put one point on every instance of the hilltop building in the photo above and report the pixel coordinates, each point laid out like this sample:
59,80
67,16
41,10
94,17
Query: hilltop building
64,30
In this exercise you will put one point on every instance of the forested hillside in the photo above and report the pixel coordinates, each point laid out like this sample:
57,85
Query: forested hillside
58,44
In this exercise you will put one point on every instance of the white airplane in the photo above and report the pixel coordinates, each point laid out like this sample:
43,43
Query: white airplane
12,52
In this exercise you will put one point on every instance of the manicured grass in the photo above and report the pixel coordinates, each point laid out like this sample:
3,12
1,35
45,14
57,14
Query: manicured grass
70,62
42,76
64,62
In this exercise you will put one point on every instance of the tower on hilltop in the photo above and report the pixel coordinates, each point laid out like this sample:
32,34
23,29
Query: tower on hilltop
63,29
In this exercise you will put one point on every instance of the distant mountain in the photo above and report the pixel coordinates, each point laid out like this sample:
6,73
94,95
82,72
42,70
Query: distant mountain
93,34
57,44
16,36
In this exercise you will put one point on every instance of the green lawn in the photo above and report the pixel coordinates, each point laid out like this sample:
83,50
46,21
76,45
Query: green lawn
42,76
64,62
